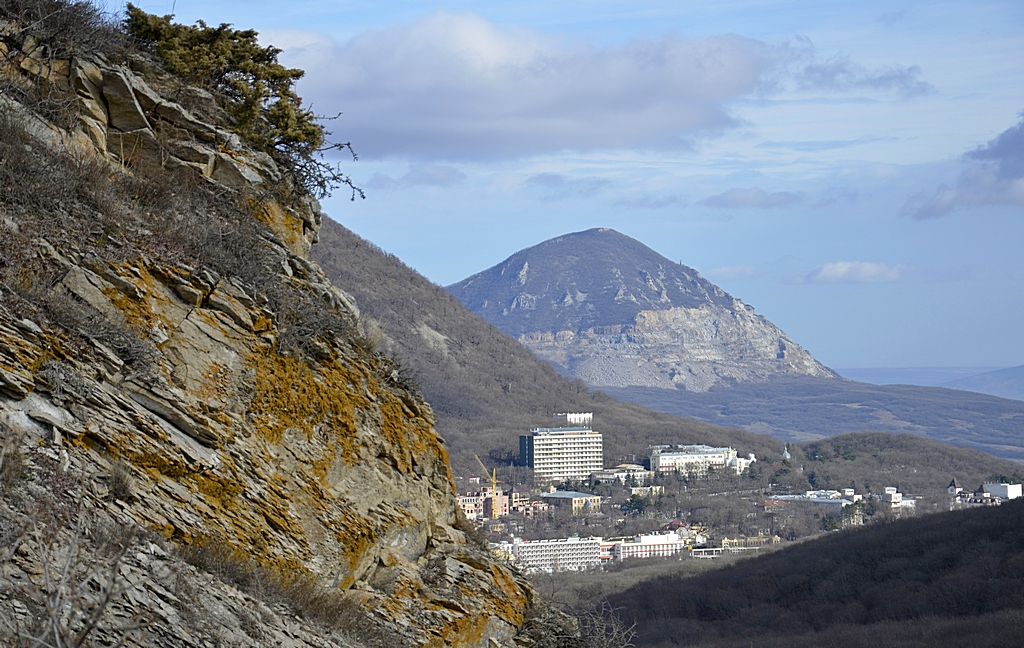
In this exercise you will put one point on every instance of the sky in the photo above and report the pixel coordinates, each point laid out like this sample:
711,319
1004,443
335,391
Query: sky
853,170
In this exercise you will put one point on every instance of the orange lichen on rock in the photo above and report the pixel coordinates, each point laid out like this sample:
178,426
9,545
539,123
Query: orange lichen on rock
288,393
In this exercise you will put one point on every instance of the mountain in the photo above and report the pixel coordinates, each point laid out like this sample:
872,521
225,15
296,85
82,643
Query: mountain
604,308
949,579
484,387
1005,383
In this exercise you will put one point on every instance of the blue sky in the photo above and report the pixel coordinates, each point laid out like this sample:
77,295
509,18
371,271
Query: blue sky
854,170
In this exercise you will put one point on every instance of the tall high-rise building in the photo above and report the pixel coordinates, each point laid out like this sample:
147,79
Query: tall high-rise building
559,454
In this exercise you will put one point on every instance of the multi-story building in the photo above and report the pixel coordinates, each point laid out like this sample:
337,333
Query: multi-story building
696,459
525,505
561,554
1005,491
563,453
985,495
486,503
580,503
656,545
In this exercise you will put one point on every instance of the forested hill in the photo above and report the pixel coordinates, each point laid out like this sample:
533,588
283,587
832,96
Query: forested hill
952,579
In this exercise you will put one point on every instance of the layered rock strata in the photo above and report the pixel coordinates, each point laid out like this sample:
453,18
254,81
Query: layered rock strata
321,464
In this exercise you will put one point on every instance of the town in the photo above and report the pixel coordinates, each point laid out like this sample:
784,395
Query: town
567,511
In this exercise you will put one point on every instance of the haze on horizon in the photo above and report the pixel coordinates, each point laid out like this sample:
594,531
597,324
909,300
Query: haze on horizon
854,170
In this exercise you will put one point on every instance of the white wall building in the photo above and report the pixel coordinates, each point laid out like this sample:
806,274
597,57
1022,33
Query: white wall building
655,545
561,554
696,459
563,453
1005,491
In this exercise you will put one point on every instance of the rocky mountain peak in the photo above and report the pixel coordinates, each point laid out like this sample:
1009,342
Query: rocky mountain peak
595,278
605,308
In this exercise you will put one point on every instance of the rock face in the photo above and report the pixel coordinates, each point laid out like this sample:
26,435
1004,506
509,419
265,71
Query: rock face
321,464
606,309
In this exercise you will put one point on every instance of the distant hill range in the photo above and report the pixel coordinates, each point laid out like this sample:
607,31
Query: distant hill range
1006,383
800,409
604,308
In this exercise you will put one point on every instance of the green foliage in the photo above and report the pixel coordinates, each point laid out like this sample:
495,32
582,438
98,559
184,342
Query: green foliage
257,92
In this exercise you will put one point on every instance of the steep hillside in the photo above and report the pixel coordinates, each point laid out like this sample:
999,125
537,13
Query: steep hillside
608,310
171,363
948,579
800,409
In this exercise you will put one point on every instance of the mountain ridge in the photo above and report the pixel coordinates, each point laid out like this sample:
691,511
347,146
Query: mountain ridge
604,308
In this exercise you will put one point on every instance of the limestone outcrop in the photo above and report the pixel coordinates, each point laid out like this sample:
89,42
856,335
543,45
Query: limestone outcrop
684,348
318,463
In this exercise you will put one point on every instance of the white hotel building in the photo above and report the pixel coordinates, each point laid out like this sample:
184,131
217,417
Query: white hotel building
563,453
696,459
561,554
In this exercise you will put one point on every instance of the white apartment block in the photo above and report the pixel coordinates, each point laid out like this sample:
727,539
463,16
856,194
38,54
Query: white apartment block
1005,491
561,554
655,545
696,459
563,453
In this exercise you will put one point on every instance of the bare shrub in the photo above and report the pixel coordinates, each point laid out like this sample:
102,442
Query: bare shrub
75,315
121,483
65,381
474,534
69,27
601,627
12,463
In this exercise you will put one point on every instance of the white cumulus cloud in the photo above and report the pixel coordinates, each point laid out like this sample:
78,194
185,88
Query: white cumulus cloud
456,86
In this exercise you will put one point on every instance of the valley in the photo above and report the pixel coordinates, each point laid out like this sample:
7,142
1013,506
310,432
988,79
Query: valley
228,420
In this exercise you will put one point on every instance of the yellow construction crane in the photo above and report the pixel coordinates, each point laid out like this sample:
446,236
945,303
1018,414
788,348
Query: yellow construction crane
493,475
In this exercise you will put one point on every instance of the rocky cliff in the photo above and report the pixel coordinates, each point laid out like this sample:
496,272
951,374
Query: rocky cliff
170,360
606,309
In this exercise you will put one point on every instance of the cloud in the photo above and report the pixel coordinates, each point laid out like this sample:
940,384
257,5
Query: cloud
650,202
839,73
432,175
994,176
751,198
732,273
456,86
814,146
557,186
855,272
